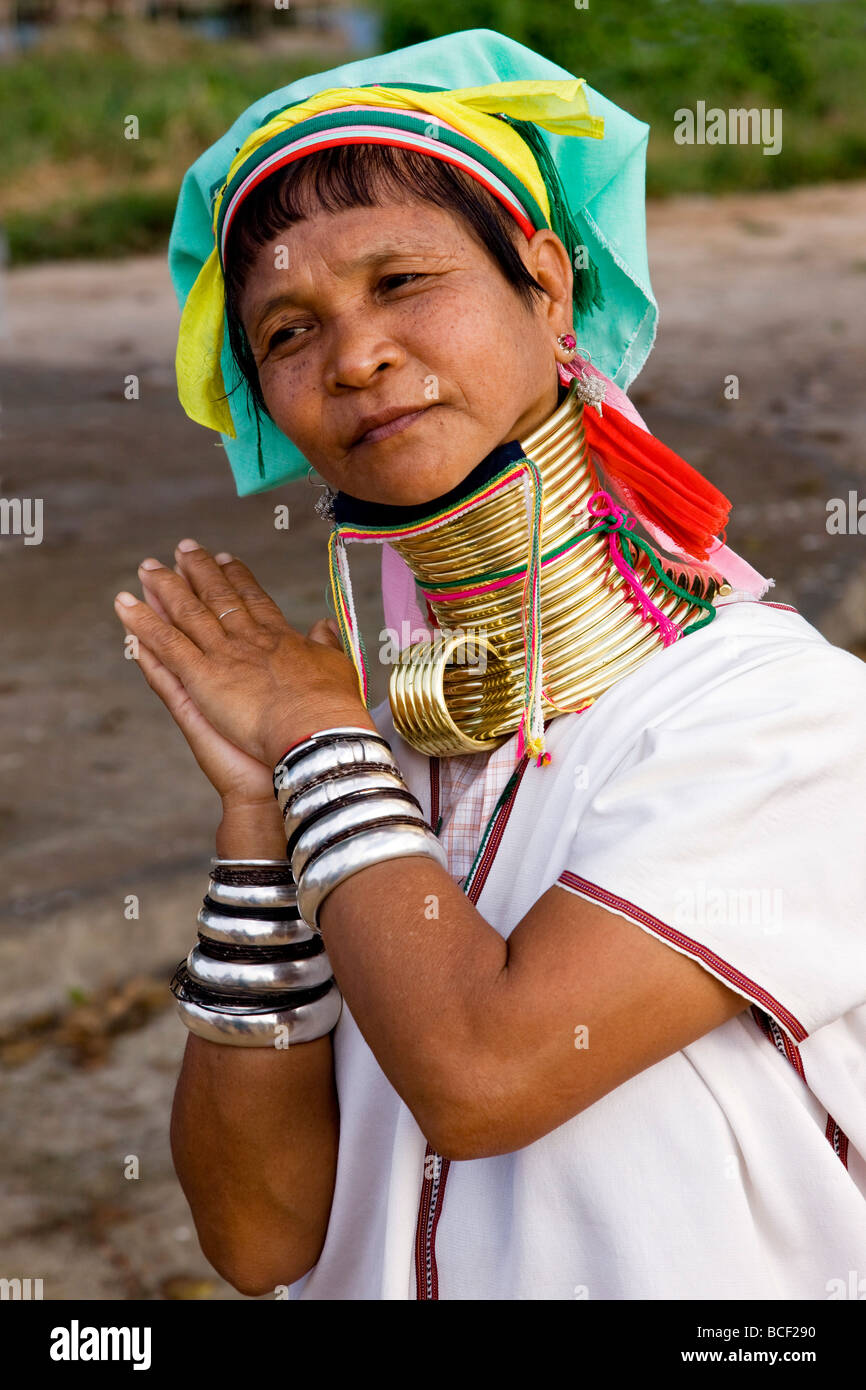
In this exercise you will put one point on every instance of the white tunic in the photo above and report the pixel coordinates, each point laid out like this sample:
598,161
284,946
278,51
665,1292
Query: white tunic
715,798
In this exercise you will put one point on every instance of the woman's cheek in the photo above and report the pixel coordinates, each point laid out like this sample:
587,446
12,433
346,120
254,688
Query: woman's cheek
291,389
448,349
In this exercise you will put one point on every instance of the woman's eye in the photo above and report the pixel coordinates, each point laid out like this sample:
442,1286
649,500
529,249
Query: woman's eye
395,282
284,334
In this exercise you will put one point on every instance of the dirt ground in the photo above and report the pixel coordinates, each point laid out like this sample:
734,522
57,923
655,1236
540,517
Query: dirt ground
100,798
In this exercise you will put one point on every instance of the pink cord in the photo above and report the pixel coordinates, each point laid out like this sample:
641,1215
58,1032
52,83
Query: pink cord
600,505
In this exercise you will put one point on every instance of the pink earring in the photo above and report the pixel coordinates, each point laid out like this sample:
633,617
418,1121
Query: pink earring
589,388
568,343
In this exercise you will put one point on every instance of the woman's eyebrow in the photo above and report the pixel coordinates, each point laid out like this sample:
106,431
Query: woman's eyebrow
373,258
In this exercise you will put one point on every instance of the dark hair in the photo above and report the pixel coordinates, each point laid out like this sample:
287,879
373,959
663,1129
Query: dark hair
350,176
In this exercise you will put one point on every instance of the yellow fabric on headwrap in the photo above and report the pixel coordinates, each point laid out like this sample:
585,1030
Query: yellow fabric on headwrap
558,106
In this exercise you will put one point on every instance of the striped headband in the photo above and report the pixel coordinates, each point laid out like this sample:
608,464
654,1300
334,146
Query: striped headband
490,132
361,125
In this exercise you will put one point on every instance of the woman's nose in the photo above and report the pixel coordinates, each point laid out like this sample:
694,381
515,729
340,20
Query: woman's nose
358,352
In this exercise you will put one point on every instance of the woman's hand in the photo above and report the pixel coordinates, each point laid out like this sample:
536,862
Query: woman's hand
238,779
248,684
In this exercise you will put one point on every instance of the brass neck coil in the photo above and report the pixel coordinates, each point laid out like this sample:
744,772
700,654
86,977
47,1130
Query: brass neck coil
463,692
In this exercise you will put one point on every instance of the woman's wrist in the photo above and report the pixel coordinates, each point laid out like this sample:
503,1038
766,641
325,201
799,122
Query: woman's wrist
251,830
256,976
317,722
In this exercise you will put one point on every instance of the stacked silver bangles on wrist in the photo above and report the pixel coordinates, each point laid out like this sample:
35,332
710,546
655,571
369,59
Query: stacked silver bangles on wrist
258,977
346,806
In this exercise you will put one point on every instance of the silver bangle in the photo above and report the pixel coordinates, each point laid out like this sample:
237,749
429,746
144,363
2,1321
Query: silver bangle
327,736
218,863
252,892
321,795
304,1023
328,761
252,931
265,977
356,816
340,861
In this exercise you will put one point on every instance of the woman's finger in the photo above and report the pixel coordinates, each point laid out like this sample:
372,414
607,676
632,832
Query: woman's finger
258,604
212,585
151,598
171,646
198,732
225,767
326,632
169,688
163,682
184,610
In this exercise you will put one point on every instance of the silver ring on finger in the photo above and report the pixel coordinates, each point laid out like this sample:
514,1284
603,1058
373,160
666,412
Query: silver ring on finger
220,616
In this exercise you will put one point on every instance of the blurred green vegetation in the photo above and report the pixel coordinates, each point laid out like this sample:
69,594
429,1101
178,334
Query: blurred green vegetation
74,186
652,57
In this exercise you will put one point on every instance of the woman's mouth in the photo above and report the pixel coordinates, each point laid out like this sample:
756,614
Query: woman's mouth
376,433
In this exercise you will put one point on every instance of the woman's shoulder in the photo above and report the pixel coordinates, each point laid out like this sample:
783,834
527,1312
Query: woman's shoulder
753,658
758,676
756,623
769,656
757,666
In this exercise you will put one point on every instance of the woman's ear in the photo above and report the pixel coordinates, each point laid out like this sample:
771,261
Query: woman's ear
548,260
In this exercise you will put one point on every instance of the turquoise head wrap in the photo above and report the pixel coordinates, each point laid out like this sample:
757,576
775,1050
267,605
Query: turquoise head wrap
604,181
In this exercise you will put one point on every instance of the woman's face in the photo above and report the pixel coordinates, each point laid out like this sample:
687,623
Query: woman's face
393,352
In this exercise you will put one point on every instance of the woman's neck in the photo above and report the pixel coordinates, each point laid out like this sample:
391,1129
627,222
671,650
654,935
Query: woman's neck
468,552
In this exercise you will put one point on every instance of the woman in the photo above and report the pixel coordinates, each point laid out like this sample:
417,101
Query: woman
602,1026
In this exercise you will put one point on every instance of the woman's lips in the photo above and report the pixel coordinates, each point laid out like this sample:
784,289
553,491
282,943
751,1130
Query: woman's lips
381,432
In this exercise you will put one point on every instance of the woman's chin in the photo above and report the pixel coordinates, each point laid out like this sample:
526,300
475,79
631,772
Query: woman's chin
414,490
415,465
409,479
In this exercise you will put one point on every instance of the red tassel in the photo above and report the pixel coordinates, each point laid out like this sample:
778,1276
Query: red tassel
656,484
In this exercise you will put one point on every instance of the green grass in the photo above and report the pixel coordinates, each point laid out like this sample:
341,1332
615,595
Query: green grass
75,187
73,184
653,57
124,223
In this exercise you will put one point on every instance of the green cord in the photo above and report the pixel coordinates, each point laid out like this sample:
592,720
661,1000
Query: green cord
261,460
603,528
670,584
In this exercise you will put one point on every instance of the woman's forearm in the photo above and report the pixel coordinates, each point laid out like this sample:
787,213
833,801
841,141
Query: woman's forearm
254,1141
254,1131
